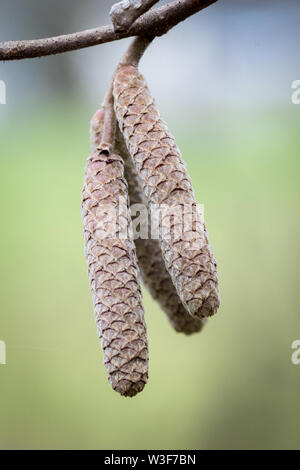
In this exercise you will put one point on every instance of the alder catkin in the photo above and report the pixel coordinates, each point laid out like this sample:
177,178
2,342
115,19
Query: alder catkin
152,267
113,273
166,183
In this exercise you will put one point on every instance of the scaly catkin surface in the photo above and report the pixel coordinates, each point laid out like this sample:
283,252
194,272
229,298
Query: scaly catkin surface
188,256
153,270
113,274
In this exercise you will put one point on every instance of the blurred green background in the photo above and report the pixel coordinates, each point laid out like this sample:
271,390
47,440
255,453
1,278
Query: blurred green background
231,386
226,92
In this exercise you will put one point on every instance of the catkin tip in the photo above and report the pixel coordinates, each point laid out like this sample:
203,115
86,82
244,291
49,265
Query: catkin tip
194,326
127,388
208,308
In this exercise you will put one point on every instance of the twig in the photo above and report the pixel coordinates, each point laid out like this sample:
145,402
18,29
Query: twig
136,50
154,23
124,14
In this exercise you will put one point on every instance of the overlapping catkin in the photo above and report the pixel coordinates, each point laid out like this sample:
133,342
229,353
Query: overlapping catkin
152,266
113,273
153,271
167,186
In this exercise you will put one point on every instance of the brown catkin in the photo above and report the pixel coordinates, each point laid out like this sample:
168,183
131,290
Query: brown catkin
188,256
153,271
113,273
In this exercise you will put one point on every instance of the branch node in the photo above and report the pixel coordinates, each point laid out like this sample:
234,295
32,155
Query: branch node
125,13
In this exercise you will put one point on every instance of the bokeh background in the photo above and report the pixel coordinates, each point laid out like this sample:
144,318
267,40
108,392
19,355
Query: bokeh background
223,82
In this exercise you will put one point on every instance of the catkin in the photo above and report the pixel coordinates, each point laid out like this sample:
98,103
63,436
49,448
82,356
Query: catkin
167,186
152,267
113,273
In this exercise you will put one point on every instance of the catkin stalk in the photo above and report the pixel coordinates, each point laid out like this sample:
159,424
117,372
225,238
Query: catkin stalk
152,267
113,272
167,186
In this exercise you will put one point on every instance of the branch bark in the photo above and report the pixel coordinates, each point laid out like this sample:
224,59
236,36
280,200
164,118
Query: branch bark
153,23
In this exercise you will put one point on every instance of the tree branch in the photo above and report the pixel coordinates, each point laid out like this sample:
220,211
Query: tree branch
153,23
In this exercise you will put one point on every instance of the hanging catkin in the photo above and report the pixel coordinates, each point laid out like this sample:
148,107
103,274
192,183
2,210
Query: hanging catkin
154,273
113,272
167,186
152,266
